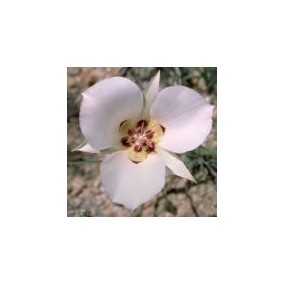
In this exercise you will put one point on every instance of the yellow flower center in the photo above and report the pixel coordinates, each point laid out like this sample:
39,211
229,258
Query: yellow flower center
140,138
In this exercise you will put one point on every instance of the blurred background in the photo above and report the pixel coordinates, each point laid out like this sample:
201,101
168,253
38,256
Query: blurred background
179,198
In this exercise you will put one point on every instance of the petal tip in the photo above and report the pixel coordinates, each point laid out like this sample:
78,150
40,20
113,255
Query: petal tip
158,73
191,178
85,147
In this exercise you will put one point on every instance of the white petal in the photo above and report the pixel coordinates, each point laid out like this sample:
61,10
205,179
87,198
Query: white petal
151,92
129,183
85,147
175,165
186,116
105,106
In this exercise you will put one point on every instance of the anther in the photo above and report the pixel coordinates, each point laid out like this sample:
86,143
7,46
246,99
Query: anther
138,148
149,134
150,147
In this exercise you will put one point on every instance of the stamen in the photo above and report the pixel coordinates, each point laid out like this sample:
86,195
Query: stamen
140,138
138,148
149,134
150,147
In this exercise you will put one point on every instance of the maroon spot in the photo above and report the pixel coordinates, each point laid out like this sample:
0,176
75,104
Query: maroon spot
149,134
122,123
131,132
163,128
125,141
138,148
142,124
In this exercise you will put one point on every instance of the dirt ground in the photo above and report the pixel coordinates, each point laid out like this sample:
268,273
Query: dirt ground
179,198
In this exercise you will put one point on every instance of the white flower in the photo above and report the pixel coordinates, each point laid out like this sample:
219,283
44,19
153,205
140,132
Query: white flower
139,132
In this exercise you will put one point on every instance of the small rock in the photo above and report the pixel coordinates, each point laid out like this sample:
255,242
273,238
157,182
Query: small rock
72,71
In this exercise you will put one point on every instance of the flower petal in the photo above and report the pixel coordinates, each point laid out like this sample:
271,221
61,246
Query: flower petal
85,147
151,93
105,106
129,183
186,116
175,165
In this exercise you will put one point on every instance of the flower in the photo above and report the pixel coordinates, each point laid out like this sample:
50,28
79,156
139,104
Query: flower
138,133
